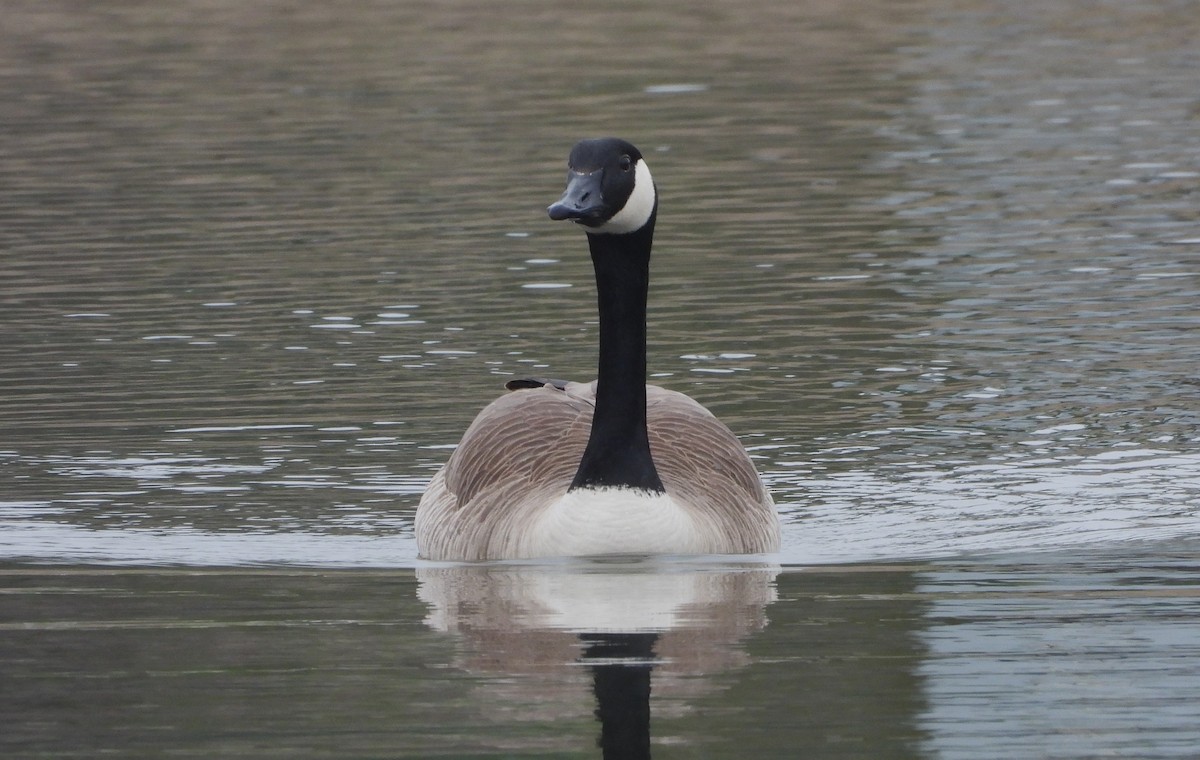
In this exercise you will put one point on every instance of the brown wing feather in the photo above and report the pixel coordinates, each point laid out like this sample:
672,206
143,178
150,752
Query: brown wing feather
704,465
518,456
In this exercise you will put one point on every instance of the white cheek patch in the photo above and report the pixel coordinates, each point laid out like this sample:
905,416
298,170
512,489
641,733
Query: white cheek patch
637,209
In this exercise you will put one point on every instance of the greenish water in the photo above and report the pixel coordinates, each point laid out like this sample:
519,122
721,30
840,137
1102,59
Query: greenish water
260,264
1020,657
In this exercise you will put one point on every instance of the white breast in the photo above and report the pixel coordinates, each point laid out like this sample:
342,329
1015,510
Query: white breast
588,522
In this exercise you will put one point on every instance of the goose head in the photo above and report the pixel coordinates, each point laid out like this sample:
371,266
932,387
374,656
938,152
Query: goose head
609,188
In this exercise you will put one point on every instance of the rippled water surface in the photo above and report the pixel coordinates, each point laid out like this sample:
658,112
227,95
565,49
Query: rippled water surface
937,264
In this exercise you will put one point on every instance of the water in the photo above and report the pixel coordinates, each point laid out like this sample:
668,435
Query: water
1021,657
261,265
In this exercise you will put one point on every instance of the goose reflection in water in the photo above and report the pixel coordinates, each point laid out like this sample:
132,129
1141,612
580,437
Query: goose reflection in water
621,665
626,621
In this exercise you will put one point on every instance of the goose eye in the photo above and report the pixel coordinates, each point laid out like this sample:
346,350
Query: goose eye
625,163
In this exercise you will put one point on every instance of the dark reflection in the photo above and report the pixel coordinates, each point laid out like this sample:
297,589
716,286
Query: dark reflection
625,620
621,681
684,656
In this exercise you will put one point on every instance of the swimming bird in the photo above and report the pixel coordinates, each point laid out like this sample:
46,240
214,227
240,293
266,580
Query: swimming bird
614,466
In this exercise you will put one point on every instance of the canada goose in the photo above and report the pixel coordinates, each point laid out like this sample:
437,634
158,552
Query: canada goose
611,467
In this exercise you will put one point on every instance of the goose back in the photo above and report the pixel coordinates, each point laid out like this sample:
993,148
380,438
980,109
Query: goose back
519,456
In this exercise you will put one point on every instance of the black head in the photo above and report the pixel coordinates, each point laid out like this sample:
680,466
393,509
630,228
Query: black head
609,188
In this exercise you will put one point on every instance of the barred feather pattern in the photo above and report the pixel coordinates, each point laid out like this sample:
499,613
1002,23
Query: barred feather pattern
511,472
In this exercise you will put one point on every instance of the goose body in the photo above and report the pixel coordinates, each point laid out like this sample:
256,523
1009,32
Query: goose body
610,467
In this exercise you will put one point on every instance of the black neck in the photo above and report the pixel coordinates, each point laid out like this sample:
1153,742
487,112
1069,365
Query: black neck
622,687
618,451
